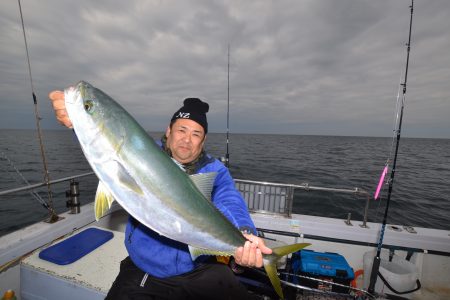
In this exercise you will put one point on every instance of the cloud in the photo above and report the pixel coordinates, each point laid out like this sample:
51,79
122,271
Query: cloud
297,67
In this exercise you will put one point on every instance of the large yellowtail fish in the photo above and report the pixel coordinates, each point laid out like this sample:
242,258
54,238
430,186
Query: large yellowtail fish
148,184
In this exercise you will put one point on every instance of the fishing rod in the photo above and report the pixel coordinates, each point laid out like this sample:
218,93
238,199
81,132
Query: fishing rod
377,259
227,155
52,217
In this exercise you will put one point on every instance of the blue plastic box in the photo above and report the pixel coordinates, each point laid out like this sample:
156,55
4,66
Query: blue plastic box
327,266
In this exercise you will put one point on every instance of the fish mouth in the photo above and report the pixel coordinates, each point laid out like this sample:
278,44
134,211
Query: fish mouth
70,95
73,93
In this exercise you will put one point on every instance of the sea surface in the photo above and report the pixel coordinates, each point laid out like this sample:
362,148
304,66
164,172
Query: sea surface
420,197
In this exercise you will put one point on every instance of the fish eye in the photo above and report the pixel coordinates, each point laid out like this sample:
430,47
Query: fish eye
88,105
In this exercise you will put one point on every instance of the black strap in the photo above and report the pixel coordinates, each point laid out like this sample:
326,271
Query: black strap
409,255
397,292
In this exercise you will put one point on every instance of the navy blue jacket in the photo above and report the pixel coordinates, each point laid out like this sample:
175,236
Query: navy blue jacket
162,257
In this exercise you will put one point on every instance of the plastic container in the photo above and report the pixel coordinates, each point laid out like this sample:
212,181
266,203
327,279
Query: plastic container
326,266
402,276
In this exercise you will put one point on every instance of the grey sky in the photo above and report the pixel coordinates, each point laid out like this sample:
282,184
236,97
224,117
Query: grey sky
297,67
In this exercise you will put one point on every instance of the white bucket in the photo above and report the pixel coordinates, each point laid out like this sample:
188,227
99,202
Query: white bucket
399,273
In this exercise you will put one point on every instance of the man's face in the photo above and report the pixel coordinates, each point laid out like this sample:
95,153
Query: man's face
185,139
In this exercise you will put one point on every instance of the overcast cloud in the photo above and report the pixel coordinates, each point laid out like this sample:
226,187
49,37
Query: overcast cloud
297,67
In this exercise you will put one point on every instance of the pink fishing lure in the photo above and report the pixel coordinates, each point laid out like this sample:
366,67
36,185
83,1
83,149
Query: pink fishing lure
380,183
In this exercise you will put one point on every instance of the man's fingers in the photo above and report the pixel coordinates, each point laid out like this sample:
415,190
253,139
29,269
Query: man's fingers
252,254
246,254
259,243
259,258
59,106
238,254
264,249
57,97
56,94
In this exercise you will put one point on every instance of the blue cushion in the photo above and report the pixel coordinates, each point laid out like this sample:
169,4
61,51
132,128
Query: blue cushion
75,247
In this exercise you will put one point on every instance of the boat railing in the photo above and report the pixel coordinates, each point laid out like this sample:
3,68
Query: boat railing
260,196
72,194
278,198
41,184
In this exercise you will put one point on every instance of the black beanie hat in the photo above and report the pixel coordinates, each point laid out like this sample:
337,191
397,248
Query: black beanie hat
193,109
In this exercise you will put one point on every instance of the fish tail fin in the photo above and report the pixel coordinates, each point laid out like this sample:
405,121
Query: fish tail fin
103,201
270,263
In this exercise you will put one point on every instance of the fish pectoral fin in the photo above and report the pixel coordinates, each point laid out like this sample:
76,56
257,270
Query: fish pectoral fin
103,201
196,252
127,180
204,182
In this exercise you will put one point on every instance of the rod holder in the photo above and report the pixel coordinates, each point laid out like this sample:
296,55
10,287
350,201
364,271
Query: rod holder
348,221
73,193
366,212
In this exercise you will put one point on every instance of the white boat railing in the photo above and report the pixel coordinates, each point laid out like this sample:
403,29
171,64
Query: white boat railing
278,198
41,184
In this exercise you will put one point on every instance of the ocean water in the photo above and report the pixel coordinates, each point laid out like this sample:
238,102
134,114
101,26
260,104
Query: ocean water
421,191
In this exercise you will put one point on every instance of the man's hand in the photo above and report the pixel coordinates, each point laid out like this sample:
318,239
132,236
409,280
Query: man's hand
251,254
57,98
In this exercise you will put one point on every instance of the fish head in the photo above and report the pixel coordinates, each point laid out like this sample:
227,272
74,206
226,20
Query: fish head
82,105
94,117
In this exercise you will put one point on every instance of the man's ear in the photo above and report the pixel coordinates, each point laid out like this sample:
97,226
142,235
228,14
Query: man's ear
168,131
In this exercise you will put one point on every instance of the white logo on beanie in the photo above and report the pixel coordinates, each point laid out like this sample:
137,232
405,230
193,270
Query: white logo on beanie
183,115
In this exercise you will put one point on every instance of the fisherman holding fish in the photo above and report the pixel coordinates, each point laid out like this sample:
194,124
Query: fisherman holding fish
161,268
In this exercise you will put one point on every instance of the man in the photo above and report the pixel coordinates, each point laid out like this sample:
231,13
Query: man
160,268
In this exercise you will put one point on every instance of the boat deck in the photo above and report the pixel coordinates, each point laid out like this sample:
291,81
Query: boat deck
90,277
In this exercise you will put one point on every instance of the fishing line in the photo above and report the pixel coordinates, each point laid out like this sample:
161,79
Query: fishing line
53,217
20,175
382,182
327,282
325,293
396,116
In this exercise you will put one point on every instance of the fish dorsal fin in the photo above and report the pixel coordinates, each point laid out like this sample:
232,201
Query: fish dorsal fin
103,201
196,252
204,182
